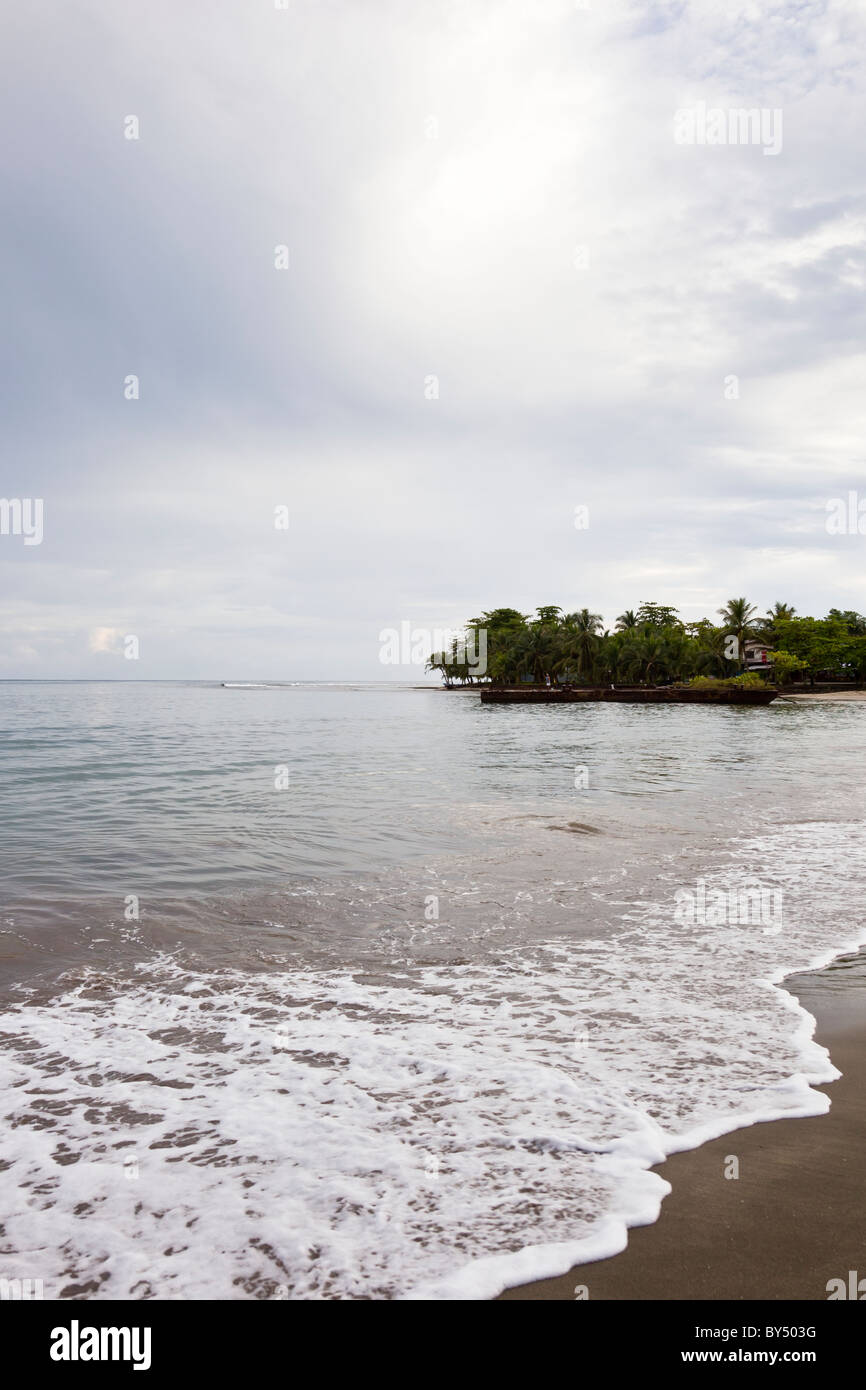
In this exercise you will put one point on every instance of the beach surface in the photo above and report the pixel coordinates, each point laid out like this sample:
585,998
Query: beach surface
794,1218
809,695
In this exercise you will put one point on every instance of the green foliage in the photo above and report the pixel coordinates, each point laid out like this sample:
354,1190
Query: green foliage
739,616
854,622
833,647
785,664
657,615
750,679
652,645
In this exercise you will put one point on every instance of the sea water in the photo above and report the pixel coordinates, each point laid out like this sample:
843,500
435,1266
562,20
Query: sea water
370,991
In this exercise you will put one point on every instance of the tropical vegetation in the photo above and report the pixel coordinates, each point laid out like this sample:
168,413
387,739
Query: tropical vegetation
652,645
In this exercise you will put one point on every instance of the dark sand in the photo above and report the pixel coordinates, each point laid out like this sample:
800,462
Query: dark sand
796,1216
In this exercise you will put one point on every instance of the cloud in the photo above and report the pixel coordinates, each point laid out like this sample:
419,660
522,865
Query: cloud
488,192
105,639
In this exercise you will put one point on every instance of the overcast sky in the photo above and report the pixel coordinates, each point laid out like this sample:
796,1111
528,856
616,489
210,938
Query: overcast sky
490,193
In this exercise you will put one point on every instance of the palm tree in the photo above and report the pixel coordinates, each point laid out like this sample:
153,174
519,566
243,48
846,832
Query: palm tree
629,659
710,658
781,613
438,661
504,628
585,628
604,663
679,654
626,622
652,656
643,655
739,616
536,647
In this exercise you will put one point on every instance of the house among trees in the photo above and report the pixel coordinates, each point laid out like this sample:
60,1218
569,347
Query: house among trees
756,656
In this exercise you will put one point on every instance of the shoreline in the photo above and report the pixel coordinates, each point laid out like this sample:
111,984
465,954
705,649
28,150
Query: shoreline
793,1219
796,696
808,695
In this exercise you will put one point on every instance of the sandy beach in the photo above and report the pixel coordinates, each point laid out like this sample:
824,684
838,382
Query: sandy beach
795,1217
809,695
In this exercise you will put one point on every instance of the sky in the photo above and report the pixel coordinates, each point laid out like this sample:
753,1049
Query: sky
324,317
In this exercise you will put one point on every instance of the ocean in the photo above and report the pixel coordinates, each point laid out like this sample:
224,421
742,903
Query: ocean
368,991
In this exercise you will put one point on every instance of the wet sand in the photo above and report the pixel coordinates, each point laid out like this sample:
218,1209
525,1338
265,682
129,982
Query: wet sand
808,695
796,1215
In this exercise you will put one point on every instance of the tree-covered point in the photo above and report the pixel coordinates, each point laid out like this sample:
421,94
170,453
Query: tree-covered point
651,645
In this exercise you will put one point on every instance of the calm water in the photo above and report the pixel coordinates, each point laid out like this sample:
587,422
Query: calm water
338,991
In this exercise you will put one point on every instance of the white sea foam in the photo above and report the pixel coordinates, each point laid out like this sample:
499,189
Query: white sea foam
440,1131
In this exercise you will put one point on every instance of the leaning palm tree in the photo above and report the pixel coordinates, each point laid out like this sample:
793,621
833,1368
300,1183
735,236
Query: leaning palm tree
739,616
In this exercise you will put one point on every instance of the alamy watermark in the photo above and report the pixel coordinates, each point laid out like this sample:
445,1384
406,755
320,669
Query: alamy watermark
22,516
747,905
846,516
77,1343
414,646
854,1288
20,1290
733,125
